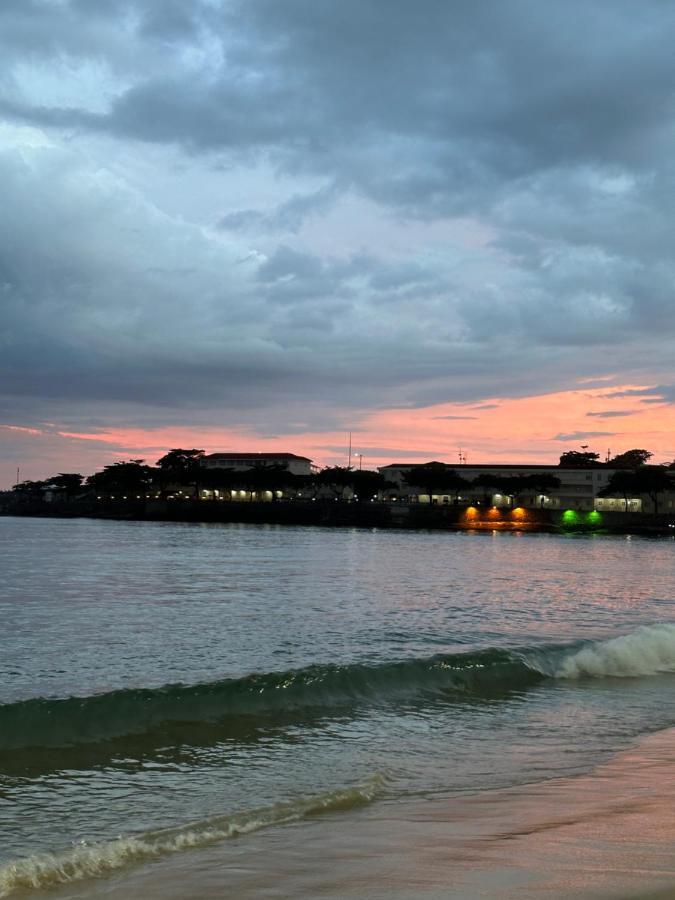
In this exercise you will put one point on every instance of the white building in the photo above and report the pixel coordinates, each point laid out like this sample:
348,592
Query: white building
240,462
578,488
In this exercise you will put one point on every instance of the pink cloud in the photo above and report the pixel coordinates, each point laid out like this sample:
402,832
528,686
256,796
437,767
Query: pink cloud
501,430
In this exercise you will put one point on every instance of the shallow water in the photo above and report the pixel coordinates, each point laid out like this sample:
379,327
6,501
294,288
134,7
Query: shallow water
165,686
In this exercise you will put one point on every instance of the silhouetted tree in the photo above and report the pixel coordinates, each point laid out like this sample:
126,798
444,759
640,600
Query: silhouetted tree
270,478
540,483
631,459
337,478
576,459
70,483
131,477
181,467
218,479
435,478
652,480
366,483
30,489
179,460
490,482
622,483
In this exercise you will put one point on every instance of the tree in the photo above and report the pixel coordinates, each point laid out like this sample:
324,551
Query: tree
32,489
540,483
652,480
575,459
622,483
490,482
366,483
129,477
631,459
179,460
267,478
435,478
181,467
337,478
218,479
68,482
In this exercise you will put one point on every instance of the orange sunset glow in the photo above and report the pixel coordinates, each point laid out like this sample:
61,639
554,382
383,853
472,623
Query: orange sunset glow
530,429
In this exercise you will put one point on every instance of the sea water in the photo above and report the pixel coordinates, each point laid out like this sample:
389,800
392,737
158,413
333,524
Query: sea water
166,688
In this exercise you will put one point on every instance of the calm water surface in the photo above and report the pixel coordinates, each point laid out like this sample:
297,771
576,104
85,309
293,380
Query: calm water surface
187,680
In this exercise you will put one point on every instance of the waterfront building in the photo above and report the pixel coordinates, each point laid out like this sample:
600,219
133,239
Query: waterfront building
578,488
240,462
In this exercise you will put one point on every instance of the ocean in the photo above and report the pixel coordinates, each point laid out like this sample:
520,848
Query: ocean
245,711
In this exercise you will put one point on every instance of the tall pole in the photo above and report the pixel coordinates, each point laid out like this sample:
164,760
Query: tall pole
349,457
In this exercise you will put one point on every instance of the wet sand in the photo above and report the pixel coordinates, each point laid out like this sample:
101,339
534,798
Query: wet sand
608,834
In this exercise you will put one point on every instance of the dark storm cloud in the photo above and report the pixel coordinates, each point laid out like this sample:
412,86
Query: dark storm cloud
456,100
603,86
548,128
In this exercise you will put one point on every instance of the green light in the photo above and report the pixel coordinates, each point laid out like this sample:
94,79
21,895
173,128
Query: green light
594,517
570,517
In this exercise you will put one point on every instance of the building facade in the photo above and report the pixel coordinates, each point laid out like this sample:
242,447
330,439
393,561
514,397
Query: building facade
241,462
578,488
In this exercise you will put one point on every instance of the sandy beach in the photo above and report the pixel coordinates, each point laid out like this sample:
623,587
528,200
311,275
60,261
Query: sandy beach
608,834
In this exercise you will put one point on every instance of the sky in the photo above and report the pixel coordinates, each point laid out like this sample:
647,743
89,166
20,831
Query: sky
441,226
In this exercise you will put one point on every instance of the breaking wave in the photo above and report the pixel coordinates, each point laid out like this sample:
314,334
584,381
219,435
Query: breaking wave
97,859
320,690
317,689
648,650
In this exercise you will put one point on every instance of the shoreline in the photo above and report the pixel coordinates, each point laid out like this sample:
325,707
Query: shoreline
326,513
606,834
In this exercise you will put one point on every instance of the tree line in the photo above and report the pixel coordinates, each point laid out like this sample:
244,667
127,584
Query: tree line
181,470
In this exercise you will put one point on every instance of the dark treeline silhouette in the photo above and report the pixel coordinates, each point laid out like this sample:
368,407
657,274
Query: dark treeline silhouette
180,474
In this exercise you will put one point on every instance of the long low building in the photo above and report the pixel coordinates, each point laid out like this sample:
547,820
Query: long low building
578,489
240,462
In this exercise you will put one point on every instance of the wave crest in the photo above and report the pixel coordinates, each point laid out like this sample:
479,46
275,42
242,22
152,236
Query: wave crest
96,859
302,693
649,650
219,709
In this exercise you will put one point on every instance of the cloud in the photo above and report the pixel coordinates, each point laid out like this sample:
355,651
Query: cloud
455,418
631,392
662,393
36,453
288,216
610,414
284,216
376,452
582,435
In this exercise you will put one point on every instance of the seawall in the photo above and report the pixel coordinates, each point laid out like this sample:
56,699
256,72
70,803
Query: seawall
339,513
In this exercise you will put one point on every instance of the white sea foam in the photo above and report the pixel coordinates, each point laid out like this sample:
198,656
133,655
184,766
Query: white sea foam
97,859
646,651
